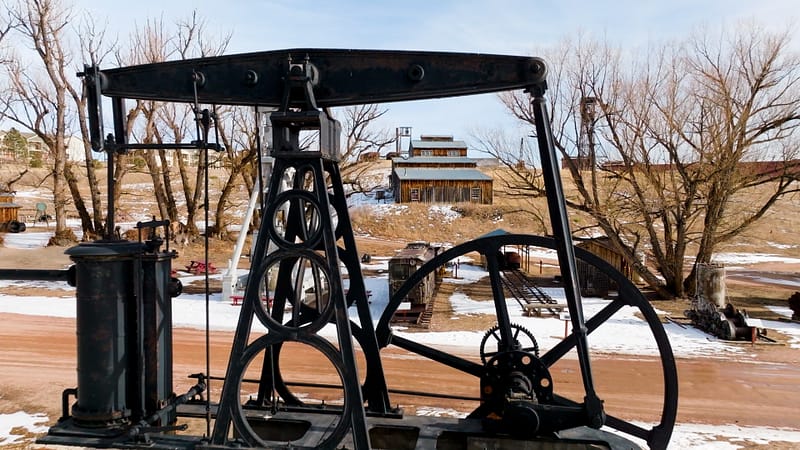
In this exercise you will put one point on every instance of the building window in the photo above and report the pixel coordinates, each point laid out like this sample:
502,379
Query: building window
453,153
415,194
426,153
475,194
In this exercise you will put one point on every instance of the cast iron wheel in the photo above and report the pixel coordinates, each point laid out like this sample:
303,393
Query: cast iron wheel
331,437
657,437
311,317
280,385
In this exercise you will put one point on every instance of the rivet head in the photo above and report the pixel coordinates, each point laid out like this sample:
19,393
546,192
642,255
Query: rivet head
251,77
416,72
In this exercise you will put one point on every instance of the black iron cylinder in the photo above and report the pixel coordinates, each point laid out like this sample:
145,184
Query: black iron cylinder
105,290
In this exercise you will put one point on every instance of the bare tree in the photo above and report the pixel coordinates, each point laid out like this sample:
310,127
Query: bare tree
36,97
750,108
149,44
6,24
94,48
192,41
518,180
363,142
157,123
674,167
239,156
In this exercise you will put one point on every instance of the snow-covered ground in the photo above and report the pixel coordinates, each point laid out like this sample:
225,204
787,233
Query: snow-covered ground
738,259
189,311
20,420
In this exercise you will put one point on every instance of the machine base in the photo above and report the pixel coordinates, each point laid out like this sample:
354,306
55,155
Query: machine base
293,430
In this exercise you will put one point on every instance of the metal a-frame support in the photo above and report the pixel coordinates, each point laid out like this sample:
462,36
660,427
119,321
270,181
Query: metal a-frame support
308,291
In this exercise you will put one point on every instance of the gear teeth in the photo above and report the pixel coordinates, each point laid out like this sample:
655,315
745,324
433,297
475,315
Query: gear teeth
493,333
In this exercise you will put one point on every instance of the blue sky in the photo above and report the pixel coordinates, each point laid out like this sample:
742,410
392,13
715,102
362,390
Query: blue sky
485,26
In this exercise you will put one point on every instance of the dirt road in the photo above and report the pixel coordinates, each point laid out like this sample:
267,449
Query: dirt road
37,361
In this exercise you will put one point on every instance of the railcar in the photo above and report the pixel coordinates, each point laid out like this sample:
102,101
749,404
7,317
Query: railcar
405,263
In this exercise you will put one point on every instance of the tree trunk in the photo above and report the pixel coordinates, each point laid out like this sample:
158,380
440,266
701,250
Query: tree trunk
188,194
158,186
121,162
63,235
86,220
172,207
222,201
91,177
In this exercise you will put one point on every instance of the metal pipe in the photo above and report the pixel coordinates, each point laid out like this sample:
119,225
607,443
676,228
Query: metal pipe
67,275
65,401
197,389
145,425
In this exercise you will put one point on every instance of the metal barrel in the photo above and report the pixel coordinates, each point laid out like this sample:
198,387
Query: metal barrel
106,296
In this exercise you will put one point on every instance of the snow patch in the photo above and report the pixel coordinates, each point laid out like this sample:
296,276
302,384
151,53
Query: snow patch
17,420
751,258
442,214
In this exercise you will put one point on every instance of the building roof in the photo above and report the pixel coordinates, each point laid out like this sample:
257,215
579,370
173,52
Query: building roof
599,241
420,173
494,233
415,143
433,160
436,137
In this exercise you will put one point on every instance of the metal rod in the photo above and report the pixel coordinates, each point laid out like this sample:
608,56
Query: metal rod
194,145
335,386
566,253
35,274
503,321
120,138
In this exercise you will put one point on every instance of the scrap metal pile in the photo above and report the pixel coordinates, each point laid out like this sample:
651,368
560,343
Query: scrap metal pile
710,312
729,323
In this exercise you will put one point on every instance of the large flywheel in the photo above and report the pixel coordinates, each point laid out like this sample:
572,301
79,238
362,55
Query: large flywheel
529,397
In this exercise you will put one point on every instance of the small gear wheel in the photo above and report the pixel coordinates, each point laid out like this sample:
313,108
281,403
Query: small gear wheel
523,340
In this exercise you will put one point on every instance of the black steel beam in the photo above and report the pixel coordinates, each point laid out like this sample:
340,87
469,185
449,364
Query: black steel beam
343,77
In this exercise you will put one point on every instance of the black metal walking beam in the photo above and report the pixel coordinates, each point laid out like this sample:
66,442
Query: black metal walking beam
340,77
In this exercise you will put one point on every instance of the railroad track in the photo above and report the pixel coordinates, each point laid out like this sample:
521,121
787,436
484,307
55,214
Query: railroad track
528,294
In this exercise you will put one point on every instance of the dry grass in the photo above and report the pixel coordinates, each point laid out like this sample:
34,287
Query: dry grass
417,222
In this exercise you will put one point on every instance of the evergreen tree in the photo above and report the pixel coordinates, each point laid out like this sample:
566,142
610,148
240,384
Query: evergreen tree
15,144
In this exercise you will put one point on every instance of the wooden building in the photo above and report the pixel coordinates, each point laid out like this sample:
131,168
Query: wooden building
592,281
439,171
9,211
435,145
434,162
429,185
